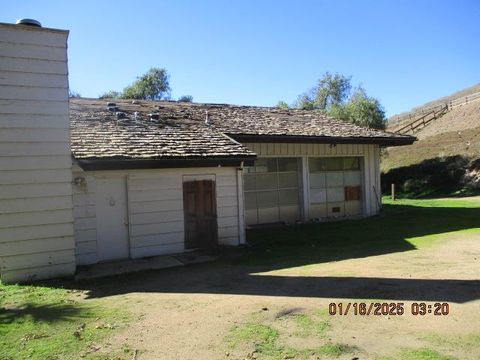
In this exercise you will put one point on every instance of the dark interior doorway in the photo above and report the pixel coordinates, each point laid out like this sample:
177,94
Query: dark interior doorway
200,209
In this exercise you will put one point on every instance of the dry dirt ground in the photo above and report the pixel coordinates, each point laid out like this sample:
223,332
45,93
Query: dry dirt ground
220,311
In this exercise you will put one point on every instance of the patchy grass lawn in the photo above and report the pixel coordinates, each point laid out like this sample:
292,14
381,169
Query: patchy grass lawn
38,322
270,301
403,225
277,336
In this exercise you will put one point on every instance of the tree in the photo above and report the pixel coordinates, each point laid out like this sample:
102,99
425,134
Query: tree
112,94
185,98
73,94
305,101
365,110
333,97
282,105
153,85
331,90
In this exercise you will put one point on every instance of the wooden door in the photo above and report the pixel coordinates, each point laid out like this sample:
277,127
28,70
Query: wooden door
200,209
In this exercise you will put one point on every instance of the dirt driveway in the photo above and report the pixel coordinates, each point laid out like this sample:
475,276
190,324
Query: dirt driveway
220,311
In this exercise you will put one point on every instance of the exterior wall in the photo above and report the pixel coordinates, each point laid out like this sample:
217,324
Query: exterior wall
155,209
85,223
36,222
371,166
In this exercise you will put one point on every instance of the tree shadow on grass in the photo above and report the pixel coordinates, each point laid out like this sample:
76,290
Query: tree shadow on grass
49,313
300,245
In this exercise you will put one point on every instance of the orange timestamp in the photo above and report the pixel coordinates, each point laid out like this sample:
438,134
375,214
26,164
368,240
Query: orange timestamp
389,308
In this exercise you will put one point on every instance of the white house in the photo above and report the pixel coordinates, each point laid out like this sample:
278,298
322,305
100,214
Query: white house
92,181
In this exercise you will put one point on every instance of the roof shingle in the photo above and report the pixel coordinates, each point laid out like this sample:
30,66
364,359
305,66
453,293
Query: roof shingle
181,132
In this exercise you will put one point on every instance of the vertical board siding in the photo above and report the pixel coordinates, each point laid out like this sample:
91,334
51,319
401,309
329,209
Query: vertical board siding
288,149
36,217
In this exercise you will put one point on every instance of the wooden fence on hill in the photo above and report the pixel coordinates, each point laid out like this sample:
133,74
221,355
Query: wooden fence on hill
411,116
415,121
422,121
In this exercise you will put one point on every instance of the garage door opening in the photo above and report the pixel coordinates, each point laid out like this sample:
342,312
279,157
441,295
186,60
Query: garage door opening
271,189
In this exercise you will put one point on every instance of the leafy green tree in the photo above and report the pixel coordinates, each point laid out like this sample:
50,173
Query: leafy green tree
112,94
332,96
365,110
153,85
185,98
305,101
282,105
331,90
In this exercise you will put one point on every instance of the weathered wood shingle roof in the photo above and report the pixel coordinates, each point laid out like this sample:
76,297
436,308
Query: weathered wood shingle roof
182,131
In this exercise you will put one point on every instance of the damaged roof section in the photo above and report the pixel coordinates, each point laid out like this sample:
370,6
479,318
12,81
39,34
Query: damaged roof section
168,130
126,132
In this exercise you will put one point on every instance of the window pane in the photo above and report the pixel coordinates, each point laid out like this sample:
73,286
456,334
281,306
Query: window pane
288,197
249,182
316,164
265,165
334,164
287,164
318,195
266,181
336,194
352,177
288,180
267,199
334,179
249,169
250,201
351,163
318,180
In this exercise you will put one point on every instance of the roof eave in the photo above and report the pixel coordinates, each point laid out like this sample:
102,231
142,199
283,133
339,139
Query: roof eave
382,141
91,164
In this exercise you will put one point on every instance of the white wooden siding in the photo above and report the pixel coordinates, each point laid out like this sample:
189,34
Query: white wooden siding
155,210
36,220
85,224
371,164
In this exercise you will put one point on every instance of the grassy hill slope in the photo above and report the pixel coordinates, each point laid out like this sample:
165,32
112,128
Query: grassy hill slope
444,160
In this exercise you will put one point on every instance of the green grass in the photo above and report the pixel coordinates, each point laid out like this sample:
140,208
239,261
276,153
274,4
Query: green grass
307,326
403,225
38,322
467,343
419,354
262,335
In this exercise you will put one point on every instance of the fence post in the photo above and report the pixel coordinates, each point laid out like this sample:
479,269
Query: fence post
393,192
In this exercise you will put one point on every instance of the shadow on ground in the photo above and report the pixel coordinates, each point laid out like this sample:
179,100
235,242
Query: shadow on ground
44,313
440,176
279,248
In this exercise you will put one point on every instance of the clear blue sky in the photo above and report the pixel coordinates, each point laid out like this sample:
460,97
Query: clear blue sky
258,52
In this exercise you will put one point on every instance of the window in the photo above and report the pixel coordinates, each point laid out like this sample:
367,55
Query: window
335,186
272,190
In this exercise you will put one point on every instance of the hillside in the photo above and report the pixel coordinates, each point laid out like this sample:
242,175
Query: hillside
445,152
397,119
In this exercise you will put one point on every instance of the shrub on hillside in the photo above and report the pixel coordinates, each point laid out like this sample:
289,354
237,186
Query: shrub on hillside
434,177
